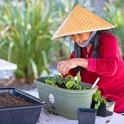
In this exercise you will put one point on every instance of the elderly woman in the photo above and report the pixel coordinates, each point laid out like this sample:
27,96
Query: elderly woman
96,53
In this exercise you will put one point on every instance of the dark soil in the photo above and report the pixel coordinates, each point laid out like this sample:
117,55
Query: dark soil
9,100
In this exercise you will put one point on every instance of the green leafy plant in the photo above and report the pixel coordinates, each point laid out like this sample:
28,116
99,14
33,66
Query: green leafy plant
69,82
98,99
25,37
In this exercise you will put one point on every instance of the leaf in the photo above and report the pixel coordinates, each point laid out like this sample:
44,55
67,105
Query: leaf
47,70
86,87
69,77
58,78
50,81
97,105
34,68
10,51
78,77
69,84
44,58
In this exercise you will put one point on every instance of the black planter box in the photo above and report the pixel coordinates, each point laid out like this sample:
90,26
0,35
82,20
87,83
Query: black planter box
86,116
28,114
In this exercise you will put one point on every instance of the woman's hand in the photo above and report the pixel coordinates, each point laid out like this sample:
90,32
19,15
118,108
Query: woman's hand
65,65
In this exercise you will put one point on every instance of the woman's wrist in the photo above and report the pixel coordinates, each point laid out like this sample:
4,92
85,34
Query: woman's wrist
82,62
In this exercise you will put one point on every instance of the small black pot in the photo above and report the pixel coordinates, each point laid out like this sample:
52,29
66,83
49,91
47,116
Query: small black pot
104,109
86,116
28,114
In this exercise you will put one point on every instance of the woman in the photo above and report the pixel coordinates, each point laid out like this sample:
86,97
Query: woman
96,53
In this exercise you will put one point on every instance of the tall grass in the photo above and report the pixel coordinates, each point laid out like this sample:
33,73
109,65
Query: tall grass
27,41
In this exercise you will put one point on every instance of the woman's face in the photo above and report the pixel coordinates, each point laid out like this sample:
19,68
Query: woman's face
81,38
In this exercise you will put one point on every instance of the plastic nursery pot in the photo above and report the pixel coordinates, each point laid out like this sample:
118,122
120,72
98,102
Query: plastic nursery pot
106,110
61,101
26,114
86,116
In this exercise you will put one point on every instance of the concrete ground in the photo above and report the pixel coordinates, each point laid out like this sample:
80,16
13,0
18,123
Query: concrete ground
47,118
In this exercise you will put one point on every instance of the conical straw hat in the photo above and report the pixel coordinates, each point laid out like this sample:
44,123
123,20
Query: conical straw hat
81,20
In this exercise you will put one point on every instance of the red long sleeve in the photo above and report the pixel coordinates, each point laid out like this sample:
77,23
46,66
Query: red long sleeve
109,66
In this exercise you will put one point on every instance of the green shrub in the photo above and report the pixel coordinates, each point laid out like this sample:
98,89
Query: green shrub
27,40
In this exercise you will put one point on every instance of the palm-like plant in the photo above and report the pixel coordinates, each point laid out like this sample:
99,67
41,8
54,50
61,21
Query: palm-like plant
27,40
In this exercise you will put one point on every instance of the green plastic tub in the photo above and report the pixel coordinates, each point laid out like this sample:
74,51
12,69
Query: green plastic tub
64,102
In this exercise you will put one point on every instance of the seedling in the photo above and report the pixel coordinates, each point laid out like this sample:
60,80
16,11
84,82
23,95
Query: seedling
98,99
68,82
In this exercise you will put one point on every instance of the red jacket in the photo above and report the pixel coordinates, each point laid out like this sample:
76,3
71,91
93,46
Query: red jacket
109,67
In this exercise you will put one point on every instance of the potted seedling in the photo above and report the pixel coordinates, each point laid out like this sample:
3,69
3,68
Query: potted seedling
17,107
105,107
64,95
